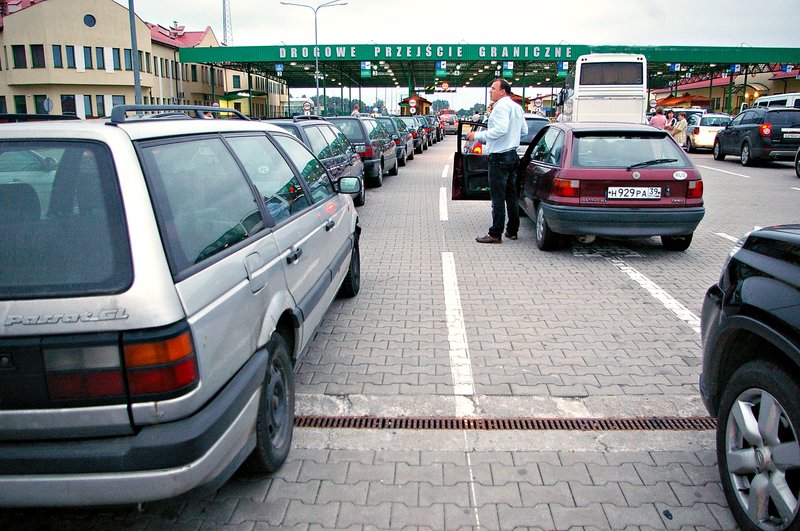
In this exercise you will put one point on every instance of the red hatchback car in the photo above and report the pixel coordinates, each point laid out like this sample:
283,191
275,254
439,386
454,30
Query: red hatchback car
612,180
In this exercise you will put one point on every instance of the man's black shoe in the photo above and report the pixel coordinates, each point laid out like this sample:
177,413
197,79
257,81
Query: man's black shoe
510,236
488,239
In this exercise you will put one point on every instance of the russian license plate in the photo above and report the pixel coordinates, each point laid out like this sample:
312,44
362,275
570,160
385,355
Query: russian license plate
791,135
634,192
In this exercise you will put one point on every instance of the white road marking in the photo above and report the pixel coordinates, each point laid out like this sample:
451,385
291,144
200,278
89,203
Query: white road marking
460,364
443,216
723,171
445,171
669,302
727,236
794,188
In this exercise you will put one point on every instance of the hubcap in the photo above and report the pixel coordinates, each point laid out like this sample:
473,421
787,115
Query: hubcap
763,457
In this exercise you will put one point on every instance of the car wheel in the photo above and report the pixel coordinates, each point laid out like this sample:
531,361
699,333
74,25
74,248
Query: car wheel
718,154
402,160
419,148
395,169
352,282
361,198
411,154
275,421
758,451
378,180
747,156
676,243
546,240
797,164
689,146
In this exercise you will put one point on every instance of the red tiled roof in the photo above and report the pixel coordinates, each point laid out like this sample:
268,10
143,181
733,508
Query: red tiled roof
786,75
176,36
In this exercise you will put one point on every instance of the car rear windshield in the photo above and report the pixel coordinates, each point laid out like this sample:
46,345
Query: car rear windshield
62,228
719,121
785,117
624,150
352,129
534,126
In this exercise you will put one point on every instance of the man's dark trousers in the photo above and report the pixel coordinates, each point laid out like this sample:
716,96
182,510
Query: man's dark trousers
503,191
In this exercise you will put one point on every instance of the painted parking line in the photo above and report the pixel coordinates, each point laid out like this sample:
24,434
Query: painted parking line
445,171
727,236
669,302
443,216
795,188
723,171
460,363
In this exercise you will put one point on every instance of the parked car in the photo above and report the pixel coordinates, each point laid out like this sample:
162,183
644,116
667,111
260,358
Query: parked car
760,133
450,122
158,280
417,132
430,137
535,123
438,127
330,146
611,180
750,330
703,129
797,163
401,136
372,142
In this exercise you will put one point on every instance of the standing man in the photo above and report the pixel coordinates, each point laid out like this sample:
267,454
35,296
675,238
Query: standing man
356,110
501,138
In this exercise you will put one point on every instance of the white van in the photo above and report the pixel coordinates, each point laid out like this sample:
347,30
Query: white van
790,99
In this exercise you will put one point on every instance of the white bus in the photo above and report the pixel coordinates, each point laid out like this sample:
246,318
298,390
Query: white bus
606,87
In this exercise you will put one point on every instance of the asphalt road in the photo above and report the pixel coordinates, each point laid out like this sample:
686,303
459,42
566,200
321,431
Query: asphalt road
445,327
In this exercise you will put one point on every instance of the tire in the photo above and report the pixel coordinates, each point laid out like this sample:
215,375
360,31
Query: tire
677,243
757,431
746,155
410,156
275,421
361,198
689,146
546,239
418,149
797,164
395,169
378,180
402,161
718,154
425,145
352,281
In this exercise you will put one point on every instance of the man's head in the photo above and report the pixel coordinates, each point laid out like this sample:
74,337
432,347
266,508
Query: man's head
499,88
355,106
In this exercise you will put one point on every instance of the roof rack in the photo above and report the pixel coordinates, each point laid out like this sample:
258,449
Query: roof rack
119,114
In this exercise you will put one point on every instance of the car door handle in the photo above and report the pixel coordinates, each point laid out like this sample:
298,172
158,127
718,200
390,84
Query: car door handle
329,225
294,256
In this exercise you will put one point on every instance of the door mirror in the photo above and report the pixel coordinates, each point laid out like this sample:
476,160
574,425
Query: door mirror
349,185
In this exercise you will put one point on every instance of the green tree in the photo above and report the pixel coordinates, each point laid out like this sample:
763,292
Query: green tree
438,105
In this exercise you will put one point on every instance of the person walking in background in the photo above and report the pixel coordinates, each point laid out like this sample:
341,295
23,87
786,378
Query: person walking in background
658,119
501,139
679,129
356,108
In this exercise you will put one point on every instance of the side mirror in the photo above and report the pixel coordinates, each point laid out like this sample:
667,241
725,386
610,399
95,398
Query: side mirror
349,185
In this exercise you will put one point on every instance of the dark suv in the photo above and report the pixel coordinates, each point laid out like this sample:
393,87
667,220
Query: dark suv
760,133
372,142
330,146
751,377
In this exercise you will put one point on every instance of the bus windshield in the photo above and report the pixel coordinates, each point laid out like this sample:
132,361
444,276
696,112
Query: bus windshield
612,74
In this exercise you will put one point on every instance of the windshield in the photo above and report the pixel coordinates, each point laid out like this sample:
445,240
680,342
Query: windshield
623,151
786,117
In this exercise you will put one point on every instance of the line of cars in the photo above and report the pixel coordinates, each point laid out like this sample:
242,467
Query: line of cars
364,146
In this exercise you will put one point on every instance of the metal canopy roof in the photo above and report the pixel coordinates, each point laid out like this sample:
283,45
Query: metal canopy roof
425,66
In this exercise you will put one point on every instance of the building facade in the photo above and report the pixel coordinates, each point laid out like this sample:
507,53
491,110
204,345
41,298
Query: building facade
75,57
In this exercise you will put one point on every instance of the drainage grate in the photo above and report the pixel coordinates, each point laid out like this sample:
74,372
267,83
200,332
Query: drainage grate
579,424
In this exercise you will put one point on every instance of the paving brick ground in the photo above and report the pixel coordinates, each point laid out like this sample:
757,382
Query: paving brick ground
560,334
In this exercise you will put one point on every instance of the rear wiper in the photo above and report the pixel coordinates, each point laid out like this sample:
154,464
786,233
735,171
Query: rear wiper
651,163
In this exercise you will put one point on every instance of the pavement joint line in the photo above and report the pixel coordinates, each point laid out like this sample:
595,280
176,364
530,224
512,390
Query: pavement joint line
723,171
669,302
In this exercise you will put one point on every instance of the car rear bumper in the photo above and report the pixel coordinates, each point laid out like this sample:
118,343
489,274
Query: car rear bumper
159,462
622,222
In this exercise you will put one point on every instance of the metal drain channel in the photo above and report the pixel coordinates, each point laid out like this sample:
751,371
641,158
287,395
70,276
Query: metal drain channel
577,424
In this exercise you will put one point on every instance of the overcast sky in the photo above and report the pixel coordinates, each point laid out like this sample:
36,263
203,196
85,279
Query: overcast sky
593,22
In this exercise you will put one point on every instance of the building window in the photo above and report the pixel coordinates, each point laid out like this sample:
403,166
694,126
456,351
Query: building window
19,56
99,54
87,105
147,60
155,66
117,100
20,106
37,55
141,61
128,59
68,104
3,106
194,72
87,56
38,103
89,20
116,54
58,61
237,82
70,56
101,105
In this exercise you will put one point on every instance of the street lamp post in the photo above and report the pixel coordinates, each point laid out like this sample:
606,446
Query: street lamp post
329,3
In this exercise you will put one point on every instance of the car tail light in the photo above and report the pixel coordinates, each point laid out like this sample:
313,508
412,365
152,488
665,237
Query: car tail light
414,134
765,129
365,151
161,366
76,371
694,131
695,190
477,149
397,141
567,187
